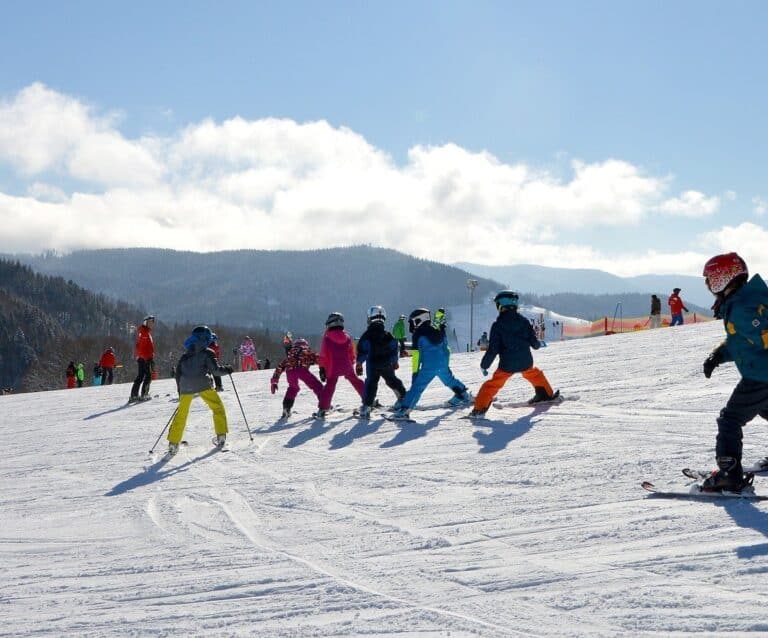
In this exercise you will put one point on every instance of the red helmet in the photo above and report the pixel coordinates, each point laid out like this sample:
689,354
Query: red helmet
721,270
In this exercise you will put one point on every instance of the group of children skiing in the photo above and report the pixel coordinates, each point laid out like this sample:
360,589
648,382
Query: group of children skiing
741,302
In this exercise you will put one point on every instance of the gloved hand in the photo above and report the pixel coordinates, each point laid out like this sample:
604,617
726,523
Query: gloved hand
484,371
228,369
359,369
712,361
273,385
542,344
395,366
322,374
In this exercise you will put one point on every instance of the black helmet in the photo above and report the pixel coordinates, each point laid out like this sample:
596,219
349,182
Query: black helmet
418,317
335,320
203,334
506,298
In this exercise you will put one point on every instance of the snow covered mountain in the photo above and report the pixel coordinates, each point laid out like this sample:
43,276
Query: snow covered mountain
530,523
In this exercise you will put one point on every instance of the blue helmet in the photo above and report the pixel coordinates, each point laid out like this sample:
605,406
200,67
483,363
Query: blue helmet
200,335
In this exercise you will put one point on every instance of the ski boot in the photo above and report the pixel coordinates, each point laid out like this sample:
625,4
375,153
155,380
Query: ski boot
364,412
477,413
403,414
541,395
220,440
729,477
287,406
133,400
461,397
173,448
320,414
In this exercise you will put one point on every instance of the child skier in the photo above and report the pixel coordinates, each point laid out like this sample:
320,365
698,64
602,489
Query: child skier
378,349
743,307
216,353
193,377
398,332
296,366
430,360
512,337
336,359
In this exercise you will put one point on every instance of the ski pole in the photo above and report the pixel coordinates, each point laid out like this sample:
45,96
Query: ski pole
234,387
164,429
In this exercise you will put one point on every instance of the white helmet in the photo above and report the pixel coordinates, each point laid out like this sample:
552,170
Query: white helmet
376,313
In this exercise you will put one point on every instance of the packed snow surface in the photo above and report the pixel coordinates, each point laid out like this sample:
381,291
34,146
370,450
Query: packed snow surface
531,523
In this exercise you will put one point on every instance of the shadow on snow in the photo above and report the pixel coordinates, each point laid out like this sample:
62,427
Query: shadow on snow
503,433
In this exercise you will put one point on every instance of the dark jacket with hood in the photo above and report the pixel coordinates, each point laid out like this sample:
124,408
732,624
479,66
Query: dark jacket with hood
196,369
512,338
377,347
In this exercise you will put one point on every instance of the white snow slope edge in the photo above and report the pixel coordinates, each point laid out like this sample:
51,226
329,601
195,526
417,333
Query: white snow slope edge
532,523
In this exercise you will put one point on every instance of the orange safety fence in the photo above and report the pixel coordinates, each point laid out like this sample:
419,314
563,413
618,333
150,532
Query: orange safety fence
609,326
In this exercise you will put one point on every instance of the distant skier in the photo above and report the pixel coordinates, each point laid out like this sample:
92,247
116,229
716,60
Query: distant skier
430,360
336,359
676,307
248,355
145,359
107,364
193,374
287,342
439,319
216,353
512,337
655,317
398,332
378,350
296,367
482,342
743,307
97,374
71,373
80,374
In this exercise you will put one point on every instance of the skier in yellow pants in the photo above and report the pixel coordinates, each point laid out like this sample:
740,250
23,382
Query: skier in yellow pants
194,376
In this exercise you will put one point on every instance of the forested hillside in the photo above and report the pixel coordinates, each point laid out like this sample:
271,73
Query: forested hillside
276,290
45,322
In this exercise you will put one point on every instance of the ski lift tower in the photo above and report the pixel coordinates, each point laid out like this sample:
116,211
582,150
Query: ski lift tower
471,284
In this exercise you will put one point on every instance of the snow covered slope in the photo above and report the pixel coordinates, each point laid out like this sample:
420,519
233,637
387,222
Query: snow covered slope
532,523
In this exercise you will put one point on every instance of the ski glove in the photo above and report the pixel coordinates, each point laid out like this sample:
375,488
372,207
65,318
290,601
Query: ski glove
712,361
359,369
322,374
484,371
228,369
273,385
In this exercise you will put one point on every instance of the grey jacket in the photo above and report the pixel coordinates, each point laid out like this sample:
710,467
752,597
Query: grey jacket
196,369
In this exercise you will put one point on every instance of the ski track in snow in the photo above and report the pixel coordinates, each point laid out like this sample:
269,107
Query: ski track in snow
531,522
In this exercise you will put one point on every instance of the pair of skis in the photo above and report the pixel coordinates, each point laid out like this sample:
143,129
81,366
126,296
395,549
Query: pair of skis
696,492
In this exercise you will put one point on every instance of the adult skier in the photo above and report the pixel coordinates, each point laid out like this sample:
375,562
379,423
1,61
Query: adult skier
378,350
398,332
676,307
107,364
430,360
512,337
145,359
194,376
742,304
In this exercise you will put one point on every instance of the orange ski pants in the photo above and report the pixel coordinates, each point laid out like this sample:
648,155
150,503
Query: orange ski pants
490,388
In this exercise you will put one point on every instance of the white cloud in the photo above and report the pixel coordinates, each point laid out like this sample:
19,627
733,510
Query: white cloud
691,204
276,183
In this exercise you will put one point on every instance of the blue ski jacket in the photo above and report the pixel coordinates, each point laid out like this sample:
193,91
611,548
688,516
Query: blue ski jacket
745,315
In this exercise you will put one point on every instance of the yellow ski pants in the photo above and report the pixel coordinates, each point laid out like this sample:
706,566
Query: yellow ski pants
212,400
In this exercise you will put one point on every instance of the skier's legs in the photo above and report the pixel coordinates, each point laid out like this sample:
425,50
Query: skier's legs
446,376
180,420
213,401
328,390
419,383
371,386
536,378
310,380
490,389
748,399
141,376
677,320
292,376
149,364
357,382
391,379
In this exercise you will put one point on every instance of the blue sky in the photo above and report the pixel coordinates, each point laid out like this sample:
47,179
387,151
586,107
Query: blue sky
624,136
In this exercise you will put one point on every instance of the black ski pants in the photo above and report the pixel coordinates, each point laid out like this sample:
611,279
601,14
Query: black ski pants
143,378
372,384
748,400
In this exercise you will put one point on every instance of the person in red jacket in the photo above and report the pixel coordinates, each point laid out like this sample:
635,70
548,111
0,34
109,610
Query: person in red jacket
71,372
107,364
676,307
214,345
145,358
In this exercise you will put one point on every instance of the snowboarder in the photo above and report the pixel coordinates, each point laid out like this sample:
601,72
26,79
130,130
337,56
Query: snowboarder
107,364
336,359
742,304
512,337
378,349
193,377
296,367
398,332
430,360
248,353
676,307
145,358
655,317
